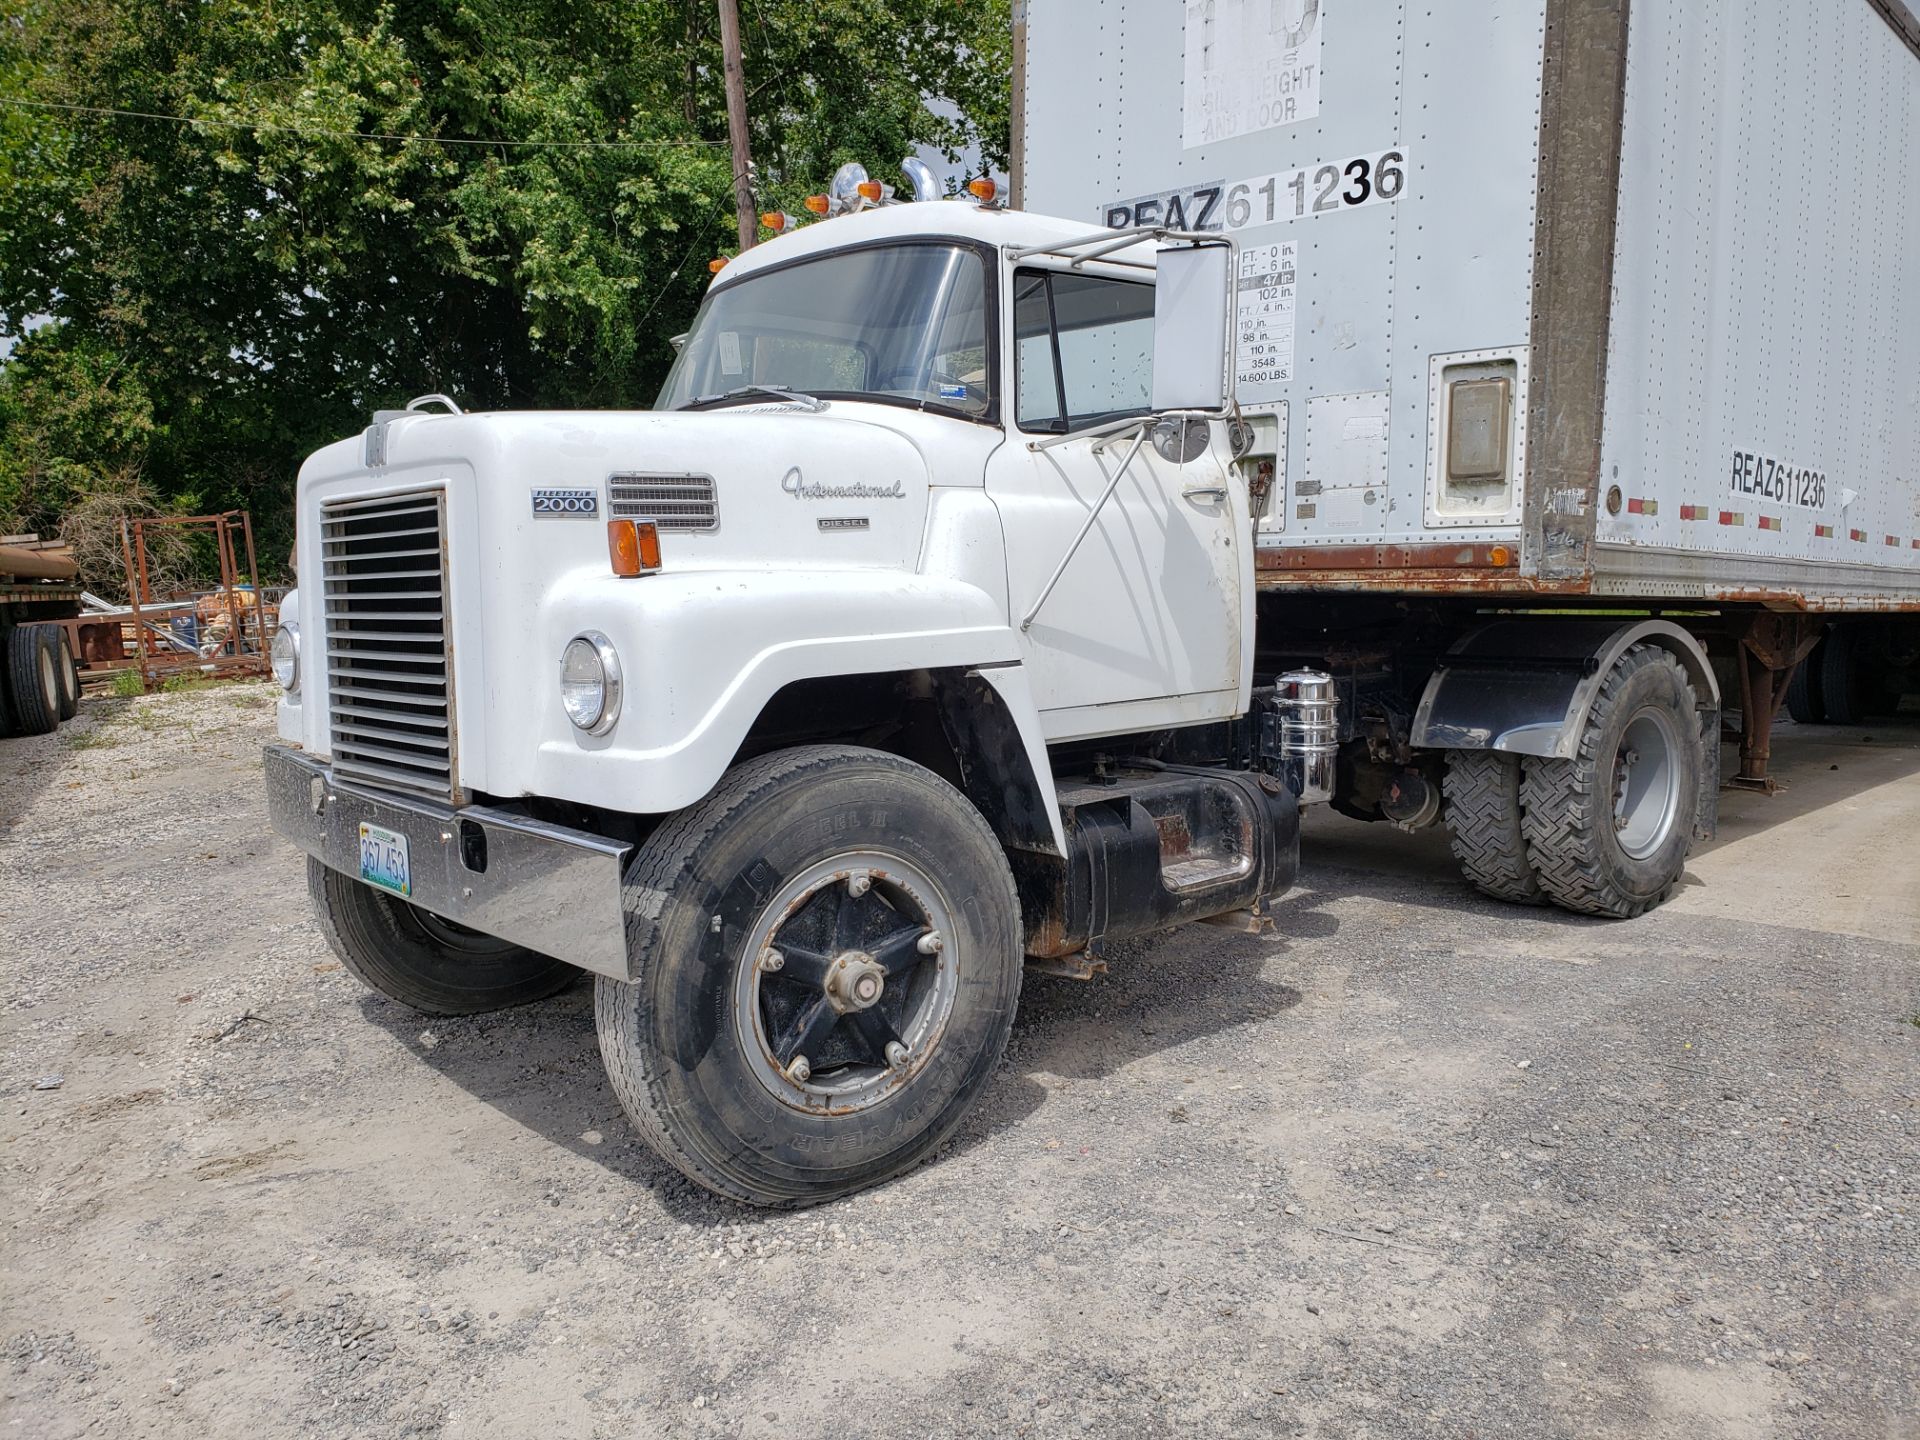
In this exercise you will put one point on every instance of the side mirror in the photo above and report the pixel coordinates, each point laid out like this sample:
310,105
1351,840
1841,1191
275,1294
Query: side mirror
1193,330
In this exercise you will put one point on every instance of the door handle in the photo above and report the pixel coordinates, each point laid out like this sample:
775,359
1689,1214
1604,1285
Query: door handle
1204,492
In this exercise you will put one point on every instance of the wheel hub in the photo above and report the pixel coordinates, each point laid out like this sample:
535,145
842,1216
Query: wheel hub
854,981
844,985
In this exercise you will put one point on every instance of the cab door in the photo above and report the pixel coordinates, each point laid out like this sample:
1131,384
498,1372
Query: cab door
1150,623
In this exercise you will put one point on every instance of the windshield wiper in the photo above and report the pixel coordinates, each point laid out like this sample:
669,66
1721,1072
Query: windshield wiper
779,392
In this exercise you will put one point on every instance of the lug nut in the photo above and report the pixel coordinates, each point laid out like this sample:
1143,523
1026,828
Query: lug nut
896,1055
859,883
771,960
930,943
799,1072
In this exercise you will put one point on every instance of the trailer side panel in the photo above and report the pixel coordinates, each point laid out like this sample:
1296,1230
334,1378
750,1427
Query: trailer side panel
1763,387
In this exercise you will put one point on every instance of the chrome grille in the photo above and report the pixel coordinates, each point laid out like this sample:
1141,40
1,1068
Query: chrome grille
389,678
674,502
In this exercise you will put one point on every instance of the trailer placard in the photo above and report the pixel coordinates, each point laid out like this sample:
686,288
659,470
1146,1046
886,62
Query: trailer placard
1250,65
1264,313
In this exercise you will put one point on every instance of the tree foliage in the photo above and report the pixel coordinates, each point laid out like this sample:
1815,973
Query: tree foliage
202,300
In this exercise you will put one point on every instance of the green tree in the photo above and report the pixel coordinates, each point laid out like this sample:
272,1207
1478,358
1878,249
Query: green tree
201,300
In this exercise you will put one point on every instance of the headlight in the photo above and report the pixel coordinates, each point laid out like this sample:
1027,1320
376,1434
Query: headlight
590,682
286,655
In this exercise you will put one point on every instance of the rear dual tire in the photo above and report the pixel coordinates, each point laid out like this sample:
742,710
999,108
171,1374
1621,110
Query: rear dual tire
1605,831
32,658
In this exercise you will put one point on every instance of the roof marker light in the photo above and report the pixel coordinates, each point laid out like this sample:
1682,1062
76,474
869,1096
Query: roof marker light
779,222
983,189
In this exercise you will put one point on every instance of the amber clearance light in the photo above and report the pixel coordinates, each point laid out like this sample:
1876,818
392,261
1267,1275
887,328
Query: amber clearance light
633,546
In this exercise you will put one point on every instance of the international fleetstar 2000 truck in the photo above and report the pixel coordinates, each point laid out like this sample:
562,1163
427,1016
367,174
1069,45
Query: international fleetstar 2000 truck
917,634
1580,342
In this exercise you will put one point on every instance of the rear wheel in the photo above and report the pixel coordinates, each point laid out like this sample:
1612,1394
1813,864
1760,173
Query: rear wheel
1482,790
1804,701
827,958
1608,831
69,674
1842,679
424,962
33,677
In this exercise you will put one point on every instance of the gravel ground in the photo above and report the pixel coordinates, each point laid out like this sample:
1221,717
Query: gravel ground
1418,1165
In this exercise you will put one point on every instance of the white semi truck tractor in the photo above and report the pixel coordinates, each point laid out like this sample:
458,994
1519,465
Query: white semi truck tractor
909,641
1579,341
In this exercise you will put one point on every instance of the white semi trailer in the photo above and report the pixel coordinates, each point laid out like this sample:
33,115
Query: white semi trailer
1552,314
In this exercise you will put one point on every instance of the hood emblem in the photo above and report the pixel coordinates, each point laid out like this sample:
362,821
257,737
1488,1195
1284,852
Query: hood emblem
801,488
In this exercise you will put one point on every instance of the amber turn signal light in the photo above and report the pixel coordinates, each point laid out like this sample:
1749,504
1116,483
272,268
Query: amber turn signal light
982,189
633,546
1500,555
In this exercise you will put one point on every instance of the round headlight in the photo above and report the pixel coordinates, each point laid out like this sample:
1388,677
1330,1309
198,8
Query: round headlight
285,654
590,682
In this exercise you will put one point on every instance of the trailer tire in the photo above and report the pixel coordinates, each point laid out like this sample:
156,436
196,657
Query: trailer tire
422,961
1482,789
837,860
33,677
1804,702
1843,687
69,675
1608,831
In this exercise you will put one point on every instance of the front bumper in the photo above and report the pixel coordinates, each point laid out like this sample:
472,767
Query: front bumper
554,890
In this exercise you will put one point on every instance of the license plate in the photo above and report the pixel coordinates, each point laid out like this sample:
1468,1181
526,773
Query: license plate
383,859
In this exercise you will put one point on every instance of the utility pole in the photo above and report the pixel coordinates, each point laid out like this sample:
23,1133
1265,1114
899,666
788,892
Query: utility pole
737,123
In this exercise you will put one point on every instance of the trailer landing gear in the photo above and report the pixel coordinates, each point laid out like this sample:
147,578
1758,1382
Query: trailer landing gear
1768,653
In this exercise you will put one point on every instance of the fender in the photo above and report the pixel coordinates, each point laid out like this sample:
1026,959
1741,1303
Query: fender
702,652
1526,687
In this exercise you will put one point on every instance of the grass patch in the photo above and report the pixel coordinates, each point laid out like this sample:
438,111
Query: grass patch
126,685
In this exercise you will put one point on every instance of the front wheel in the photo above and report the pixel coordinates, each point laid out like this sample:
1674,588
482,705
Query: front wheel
426,963
826,955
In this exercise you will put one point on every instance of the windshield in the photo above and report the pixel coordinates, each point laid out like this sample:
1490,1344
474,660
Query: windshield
906,324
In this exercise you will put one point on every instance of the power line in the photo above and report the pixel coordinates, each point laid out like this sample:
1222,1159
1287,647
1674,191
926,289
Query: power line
308,132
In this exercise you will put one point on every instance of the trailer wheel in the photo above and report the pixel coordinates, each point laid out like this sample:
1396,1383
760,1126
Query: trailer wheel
1804,701
1482,789
424,962
827,957
69,674
33,677
1608,830
1842,678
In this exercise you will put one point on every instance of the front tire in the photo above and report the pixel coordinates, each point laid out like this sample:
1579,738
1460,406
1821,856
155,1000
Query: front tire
424,962
1608,831
827,960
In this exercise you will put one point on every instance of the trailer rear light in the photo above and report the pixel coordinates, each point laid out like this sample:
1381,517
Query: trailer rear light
634,547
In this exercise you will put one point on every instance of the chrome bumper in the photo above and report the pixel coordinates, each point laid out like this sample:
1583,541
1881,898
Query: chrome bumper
543,886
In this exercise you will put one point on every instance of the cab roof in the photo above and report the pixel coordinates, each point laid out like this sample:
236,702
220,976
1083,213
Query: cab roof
934,219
